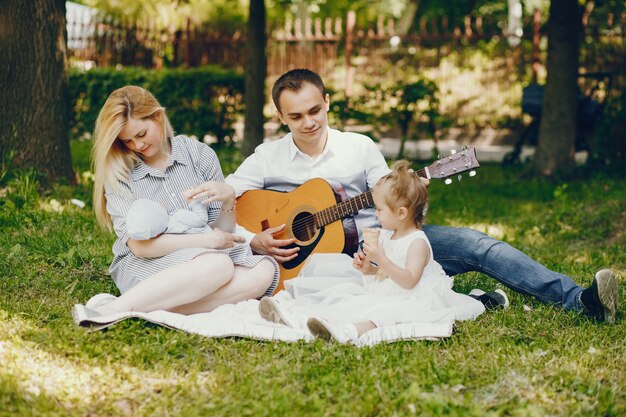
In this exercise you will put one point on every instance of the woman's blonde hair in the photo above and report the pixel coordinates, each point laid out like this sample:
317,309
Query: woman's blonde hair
406,190
112,161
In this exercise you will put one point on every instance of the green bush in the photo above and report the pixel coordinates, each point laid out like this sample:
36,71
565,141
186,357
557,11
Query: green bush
199,101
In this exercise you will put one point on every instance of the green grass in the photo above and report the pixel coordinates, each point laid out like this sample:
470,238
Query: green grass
545,361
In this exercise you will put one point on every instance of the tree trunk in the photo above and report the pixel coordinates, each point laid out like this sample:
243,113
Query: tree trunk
557,133
34,107
256,72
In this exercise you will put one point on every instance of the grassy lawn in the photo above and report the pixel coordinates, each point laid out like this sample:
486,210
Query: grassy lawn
531,360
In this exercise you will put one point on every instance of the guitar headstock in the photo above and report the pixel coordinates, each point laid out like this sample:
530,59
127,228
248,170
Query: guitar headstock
454,164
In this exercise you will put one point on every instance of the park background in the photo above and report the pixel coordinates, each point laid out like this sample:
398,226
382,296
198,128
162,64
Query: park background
420,77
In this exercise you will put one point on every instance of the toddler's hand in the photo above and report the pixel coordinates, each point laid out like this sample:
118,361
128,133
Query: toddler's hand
358,260
374,253
361,263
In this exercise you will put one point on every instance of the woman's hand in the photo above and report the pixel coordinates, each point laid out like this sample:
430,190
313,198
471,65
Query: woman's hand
215,191
223,240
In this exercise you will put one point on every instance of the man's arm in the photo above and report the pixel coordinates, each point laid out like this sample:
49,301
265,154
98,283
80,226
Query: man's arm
249,176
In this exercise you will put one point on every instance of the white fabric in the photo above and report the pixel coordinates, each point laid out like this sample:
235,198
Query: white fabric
243,320
147,219
348,297
350,159
396,250
329,287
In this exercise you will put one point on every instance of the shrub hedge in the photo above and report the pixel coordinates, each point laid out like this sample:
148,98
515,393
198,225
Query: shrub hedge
199,101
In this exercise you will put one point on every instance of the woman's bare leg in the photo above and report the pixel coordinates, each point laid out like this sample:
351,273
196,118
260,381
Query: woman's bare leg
176,286
247,283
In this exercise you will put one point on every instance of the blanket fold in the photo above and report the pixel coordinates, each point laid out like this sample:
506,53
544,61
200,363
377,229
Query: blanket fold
243,320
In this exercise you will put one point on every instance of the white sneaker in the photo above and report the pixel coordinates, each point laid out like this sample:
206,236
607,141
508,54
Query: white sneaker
604,292
99,300
270,310
327,330
492,299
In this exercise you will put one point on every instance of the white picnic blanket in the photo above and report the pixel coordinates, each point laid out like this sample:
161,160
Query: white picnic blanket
243,320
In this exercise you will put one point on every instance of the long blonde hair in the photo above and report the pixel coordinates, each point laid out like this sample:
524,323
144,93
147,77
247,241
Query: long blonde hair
406,190
112,161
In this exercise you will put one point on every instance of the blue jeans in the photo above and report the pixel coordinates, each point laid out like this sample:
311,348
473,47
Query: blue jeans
460,250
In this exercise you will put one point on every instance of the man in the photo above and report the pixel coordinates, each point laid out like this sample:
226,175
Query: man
312,149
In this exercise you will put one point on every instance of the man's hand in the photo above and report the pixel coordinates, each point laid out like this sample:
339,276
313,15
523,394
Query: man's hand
265,244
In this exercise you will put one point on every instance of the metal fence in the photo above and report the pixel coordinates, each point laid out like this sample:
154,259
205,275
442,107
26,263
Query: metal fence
348,56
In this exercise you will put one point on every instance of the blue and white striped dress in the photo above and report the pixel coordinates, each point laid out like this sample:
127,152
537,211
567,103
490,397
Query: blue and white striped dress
190,163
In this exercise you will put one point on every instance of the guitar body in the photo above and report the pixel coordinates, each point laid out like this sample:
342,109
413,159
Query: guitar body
258,210
312,212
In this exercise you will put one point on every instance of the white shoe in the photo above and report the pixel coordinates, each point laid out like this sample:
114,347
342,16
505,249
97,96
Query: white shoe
604,292
99,300
327,330
492,299
270,310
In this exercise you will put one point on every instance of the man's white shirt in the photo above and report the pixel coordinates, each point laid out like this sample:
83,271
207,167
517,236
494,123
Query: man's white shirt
351,159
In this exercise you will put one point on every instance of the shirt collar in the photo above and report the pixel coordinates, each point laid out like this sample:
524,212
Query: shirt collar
141,169
331,144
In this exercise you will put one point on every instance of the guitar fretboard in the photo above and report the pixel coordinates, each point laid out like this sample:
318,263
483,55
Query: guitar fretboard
350,207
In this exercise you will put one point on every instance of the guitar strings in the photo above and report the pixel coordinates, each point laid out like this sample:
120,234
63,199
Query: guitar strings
337,210
303,224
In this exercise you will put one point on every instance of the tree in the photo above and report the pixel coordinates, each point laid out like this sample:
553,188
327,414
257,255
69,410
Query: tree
557,132
256,72
34,86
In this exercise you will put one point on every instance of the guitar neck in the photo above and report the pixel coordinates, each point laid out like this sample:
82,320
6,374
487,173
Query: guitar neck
351,206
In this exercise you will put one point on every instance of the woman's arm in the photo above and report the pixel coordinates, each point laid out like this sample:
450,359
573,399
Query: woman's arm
217,191
214,188
408,277
167,243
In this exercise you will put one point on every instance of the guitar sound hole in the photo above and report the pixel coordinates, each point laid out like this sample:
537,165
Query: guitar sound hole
303,226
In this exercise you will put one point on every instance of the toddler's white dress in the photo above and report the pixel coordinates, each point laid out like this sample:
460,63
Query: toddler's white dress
330,287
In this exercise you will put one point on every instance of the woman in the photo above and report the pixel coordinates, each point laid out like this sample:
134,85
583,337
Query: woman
136,156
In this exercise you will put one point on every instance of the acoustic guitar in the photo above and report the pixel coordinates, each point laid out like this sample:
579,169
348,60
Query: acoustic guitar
312,211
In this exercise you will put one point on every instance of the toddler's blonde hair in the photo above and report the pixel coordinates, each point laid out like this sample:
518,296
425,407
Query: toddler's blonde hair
406,190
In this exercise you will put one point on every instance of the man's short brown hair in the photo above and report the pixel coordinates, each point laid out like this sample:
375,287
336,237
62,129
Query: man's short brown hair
293,81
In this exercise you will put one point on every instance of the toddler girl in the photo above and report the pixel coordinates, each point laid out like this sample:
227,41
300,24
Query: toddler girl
400,282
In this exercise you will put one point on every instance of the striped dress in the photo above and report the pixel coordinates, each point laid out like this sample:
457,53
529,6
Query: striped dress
190,163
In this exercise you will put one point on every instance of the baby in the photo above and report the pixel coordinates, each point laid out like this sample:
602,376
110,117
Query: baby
147,219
